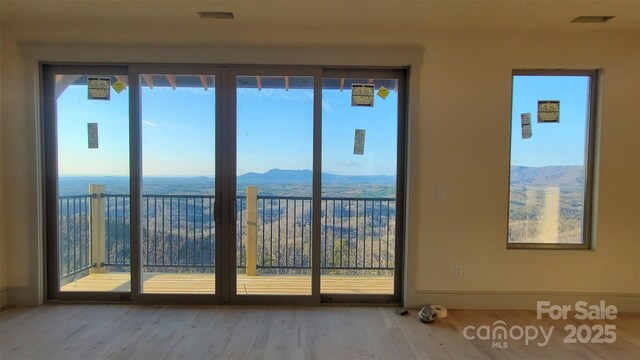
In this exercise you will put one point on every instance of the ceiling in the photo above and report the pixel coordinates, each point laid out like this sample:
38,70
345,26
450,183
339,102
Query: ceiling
301,21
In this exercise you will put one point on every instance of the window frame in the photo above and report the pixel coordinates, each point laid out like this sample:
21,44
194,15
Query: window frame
589,163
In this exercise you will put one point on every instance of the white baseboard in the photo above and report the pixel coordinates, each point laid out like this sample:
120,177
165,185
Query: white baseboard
21,296
3,297
518,300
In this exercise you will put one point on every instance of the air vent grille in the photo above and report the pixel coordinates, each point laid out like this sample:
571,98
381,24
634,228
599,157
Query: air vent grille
215,15
592,19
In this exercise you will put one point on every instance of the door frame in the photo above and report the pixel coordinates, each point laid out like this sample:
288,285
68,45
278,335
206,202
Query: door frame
316,73
225,180
135,163
401,156
49,141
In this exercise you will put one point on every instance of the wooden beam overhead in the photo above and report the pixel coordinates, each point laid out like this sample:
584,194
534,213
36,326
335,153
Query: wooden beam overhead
63,82
286,83
341,84
149,80
172,81
203,80
259,83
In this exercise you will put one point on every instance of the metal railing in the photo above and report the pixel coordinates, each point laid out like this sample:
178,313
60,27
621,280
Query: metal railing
358,233
74,236
178,233
117,230
284,232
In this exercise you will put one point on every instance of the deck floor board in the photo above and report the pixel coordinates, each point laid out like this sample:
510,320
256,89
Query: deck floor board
172,283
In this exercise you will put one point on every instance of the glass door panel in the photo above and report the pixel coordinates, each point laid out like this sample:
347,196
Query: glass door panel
178,183
92,129
359,165
274,184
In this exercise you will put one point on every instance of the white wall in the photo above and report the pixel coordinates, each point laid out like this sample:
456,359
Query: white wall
459,138
3,268
19,176
464,146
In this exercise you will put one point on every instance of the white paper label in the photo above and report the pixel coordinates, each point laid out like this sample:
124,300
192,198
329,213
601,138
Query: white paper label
362,94
92,135
525,124
358,142
548,111
99,88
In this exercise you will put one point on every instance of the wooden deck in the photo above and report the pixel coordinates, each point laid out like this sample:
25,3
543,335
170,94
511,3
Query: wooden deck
167,283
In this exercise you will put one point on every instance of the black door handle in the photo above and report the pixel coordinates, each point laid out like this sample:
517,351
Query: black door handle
233,213
217,214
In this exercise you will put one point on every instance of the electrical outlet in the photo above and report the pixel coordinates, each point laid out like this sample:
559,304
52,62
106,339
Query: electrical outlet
440,193
457,270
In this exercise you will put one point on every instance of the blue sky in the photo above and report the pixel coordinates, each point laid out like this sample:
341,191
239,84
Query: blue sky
275,130
551,143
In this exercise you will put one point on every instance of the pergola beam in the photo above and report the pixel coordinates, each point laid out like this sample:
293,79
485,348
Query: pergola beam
203,80
149,80
63,82
172,81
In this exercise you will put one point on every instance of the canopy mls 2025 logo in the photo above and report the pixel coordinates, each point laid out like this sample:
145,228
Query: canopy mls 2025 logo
499,333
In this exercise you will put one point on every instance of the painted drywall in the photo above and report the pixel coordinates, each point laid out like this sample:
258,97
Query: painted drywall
466,88
19,174
459,138
3,267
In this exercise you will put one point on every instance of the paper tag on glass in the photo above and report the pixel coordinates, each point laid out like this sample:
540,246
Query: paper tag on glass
99,88
549,111
526,131
358,142
118,86
92,135
383,92
362,94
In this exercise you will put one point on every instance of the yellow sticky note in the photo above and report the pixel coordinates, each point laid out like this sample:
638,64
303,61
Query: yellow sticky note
383,92
118,86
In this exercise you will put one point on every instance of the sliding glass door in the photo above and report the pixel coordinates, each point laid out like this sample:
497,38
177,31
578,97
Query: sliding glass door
178,247
87,164
274,115
205,184
361,121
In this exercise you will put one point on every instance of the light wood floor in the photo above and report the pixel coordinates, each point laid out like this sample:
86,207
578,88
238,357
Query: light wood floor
330,332
165,283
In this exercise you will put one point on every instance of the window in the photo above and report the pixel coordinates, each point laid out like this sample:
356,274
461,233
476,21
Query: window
552,141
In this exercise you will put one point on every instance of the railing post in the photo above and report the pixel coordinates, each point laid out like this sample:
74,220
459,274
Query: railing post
252,230
97,227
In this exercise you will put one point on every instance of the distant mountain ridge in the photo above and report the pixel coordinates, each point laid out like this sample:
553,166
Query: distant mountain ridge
306,176
561,176
273,176
272,182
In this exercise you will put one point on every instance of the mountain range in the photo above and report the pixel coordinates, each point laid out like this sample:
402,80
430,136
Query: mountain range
305,176
561,176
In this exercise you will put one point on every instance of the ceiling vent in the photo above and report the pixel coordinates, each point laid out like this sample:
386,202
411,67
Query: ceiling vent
215,15
592,19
